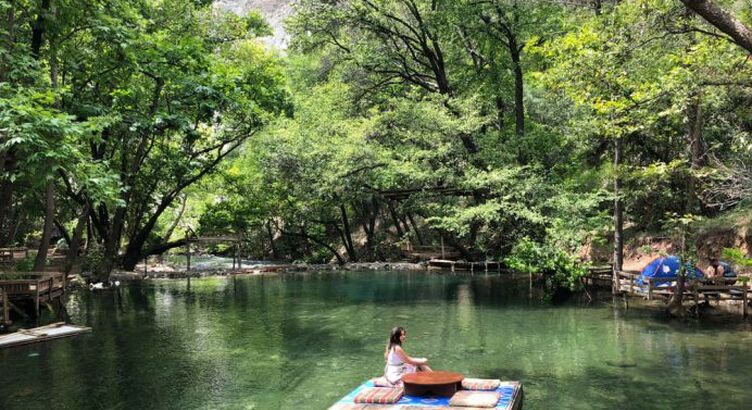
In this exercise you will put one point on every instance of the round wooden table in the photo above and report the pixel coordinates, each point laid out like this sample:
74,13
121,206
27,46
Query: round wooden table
438,383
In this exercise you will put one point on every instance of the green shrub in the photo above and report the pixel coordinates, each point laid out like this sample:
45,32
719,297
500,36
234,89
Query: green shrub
25,265
92,260
561,269
737,257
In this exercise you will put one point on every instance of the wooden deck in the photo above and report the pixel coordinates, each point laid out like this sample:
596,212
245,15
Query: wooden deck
37,287
696,290
41,334
483,266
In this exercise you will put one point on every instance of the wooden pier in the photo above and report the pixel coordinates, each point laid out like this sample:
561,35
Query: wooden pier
599,276
36,287
472,267
697,290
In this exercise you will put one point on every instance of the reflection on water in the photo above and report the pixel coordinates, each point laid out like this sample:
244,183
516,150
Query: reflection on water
206,262
303,341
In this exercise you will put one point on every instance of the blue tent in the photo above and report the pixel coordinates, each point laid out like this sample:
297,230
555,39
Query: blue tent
666,268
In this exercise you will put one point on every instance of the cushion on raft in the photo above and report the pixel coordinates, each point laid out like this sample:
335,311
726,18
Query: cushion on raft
469,398
432,408
480,384
353,406
381,382
348,406
379,395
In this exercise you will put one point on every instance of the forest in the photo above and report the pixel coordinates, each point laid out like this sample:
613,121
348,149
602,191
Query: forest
514,131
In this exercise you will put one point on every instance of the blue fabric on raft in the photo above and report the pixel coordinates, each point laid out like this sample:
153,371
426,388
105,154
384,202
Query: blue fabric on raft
508,390
665,269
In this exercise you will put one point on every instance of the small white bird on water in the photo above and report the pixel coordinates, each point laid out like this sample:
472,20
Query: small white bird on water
101,286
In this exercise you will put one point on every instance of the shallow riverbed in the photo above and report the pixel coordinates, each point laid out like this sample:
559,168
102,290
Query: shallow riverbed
305,340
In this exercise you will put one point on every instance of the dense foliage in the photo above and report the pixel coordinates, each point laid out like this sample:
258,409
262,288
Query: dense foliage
495,129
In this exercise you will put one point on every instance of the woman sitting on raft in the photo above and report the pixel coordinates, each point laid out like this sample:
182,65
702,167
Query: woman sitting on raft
398,363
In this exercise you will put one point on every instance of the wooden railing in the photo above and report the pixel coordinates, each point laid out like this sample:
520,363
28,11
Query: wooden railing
31,283
35,286
9,254
693,288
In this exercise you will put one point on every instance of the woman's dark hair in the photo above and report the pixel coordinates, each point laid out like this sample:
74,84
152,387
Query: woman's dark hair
394,339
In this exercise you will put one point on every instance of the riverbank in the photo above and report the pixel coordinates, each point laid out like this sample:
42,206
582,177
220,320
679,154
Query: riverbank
163,271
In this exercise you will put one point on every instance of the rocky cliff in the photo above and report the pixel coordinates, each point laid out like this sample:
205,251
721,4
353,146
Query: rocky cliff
274,11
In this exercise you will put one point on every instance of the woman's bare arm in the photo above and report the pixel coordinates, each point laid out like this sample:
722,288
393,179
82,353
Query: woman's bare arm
417,361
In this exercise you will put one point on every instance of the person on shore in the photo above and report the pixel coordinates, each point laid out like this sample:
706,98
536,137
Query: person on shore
716,270
399,363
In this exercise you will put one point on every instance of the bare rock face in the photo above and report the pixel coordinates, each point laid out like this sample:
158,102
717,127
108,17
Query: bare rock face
274,11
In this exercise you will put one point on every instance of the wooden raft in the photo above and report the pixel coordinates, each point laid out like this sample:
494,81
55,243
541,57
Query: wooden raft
41,334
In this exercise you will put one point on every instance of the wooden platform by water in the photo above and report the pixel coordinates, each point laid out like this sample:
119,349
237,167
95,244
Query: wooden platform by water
35,287
698,290
41,334
483,266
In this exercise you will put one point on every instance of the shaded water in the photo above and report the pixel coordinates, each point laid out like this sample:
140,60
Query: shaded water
305,340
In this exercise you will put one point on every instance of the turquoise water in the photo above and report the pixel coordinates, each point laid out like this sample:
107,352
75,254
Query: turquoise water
302,341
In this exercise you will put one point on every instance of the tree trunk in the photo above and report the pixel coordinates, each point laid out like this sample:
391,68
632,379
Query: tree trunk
675,306
75,244
49,217
136,243
38,29
347,235
500,111
7,188
340,259
270,234
175,223
519,104
111,245
722,20
697,148
397,225
618,211
418,236
368,232
63,232
372,216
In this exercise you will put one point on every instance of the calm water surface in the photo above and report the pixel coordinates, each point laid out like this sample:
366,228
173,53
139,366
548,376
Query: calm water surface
303,341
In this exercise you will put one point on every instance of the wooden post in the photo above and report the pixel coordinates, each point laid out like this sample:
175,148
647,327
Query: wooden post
442,248
486,265
188,256
744,300
530,280
146,267
240,259
696,295
36,301
6,313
